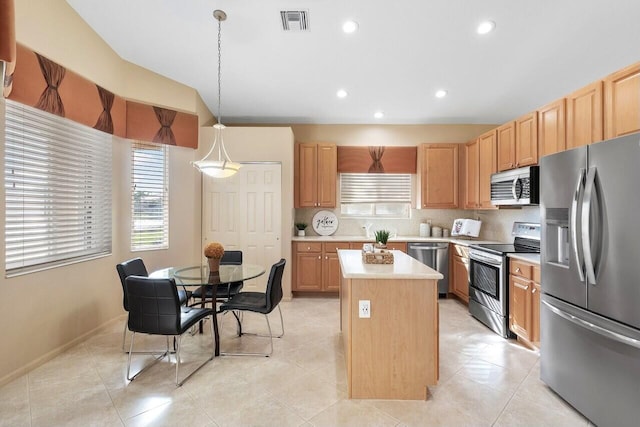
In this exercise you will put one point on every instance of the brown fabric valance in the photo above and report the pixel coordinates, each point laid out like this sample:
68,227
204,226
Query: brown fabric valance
377,159
156,124
44,84
7,44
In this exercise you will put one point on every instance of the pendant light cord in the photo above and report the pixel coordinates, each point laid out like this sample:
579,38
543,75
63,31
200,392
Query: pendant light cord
219,68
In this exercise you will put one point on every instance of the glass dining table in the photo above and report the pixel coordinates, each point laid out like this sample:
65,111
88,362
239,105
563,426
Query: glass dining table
200,276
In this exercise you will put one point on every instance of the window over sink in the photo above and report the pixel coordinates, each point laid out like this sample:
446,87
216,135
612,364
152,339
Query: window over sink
375,195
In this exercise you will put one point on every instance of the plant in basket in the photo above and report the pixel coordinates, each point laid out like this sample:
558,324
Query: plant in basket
381,238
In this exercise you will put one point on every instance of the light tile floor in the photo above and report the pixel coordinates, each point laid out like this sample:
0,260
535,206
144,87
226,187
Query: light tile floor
484,381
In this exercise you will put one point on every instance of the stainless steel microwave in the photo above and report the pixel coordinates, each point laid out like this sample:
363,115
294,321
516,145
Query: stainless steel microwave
516,187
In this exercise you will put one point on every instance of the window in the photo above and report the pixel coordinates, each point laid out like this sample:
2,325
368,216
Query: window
149,196
375,195
57,177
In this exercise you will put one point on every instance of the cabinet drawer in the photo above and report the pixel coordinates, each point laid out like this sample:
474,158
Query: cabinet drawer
461,250
332,247
521,269
308,247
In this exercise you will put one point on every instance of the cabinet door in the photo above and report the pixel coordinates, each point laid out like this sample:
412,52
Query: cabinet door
331,273
461,278
471,156
527,140
487,166
535,313
308,272
622,102
520,306
506,143
306,181
551,128
584,116
327,175
439,175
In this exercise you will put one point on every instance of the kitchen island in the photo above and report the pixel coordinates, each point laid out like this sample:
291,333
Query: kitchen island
393,353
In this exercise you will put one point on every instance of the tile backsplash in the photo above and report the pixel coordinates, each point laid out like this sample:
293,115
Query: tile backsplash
496,224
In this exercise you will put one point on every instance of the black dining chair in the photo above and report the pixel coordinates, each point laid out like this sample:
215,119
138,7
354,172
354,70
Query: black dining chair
260,302
136,267
225,290
154,308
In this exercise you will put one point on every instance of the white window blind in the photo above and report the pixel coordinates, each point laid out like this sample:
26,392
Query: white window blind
375,195
57,190
149,196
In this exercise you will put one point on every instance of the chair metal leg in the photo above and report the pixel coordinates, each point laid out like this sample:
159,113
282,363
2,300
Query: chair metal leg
156,360
270,336
124,336
179,341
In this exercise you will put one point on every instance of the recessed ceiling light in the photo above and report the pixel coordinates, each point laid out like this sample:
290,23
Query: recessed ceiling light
341,93
441,93
350,27
378,115
486,27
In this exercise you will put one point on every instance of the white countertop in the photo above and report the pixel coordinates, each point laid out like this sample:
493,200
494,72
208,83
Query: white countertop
534,258
403,267
457,240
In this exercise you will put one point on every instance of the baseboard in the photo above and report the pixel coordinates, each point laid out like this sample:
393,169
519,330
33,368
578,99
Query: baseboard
55,352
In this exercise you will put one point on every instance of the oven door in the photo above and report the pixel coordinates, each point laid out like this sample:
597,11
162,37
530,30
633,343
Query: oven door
486,282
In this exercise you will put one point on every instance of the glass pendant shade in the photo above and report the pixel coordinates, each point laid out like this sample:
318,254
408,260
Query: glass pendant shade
222,166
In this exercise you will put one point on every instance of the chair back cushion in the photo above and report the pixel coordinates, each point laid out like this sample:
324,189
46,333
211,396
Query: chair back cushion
154,306
133,267
274,285
231,258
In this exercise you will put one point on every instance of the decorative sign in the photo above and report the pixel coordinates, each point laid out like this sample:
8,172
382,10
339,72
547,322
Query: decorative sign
325,223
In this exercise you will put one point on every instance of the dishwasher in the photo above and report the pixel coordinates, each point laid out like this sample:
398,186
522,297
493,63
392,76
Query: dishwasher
436,256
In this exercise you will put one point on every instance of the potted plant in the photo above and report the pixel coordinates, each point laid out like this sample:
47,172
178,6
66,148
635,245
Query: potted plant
214,251
381,238
301,226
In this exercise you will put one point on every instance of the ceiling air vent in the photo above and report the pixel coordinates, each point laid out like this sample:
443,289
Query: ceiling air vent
295,20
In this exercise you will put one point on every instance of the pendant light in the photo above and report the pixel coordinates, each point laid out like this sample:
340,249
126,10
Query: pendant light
220,165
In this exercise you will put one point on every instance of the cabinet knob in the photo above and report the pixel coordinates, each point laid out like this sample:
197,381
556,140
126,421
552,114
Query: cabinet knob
533,291
308,248
518,270
319,257
326,257
526,288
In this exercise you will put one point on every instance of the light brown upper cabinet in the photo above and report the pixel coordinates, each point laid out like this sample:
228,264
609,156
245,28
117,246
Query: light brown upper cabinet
315,175
584,116
439,175
487,166
506,140
551,128
471,163
527,140
622,102
480,163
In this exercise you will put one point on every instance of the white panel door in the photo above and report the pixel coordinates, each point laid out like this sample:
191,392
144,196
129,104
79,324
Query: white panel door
244,212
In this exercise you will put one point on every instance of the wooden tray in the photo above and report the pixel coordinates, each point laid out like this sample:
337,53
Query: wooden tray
383,256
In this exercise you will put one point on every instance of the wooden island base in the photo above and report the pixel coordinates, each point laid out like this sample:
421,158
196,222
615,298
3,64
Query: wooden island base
394,353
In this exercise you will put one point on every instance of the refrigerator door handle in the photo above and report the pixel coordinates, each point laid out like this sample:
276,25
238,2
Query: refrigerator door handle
574,223
584,226
594,328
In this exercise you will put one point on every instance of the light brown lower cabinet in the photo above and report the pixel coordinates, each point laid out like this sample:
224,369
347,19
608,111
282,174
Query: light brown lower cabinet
459,281
524,303
316,267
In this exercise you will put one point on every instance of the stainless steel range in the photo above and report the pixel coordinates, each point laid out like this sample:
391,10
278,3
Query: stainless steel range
489,276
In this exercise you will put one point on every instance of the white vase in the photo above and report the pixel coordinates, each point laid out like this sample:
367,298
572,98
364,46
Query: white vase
301,233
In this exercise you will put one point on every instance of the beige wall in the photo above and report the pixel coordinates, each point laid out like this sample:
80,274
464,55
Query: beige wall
45,312
388,134
264,144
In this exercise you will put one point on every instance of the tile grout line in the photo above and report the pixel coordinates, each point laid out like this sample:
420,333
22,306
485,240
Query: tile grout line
513,394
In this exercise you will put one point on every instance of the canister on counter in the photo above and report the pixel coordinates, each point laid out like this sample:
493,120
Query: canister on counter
425,230
445,232
436,231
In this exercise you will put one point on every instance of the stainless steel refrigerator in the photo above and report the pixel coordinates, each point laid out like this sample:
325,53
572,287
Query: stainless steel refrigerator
590,303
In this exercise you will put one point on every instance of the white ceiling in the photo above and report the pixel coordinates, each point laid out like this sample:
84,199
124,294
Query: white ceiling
403,52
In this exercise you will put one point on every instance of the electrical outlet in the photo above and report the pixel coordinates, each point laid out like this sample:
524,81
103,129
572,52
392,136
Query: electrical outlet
364,308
